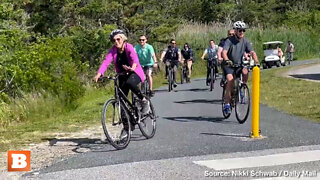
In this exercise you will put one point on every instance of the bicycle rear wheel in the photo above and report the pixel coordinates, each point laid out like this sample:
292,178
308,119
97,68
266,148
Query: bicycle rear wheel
147,123
116,124
242,104
223,99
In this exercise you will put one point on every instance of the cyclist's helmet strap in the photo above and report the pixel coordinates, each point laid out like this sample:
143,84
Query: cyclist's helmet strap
115,32
239,25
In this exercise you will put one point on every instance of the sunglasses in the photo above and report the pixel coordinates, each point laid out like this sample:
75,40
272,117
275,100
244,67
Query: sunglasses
117,39
173,43
241,30
142,39
231,34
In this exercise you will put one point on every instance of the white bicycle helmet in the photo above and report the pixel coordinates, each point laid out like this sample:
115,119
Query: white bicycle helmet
239,25
115,32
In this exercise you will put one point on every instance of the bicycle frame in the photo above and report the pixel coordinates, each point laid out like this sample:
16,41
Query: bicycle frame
237,82
170,75
122,98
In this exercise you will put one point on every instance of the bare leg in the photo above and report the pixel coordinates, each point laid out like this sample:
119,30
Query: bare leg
189,68
245,75
150,79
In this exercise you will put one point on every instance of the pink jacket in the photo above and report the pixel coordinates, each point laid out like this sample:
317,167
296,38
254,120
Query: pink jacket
132,58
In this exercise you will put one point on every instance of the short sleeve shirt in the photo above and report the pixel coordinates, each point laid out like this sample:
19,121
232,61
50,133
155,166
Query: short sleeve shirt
145,54
236,49
222,42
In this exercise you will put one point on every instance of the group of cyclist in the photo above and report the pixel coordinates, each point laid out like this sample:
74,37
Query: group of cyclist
133,63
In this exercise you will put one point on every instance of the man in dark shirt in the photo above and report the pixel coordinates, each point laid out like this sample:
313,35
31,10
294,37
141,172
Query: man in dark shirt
171,57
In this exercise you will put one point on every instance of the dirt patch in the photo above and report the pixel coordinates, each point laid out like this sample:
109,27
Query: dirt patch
56,149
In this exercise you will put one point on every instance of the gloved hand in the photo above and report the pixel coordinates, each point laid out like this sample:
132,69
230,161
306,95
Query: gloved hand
229,63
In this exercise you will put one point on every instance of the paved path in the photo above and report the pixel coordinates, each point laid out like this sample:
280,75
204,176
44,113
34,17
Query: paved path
191,133
310,73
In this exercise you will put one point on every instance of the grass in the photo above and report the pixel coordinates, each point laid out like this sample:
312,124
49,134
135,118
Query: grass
293,96
38,126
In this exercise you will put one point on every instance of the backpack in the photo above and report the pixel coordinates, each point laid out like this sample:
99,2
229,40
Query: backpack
172,54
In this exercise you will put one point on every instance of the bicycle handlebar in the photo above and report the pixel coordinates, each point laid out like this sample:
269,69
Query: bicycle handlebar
210,59
112,77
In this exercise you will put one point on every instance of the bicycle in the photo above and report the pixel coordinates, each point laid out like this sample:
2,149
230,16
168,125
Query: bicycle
170,76
145,87
119,117
185,72
240,96
211,64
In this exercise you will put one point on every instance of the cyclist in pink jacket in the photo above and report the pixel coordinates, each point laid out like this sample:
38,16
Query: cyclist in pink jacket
126,63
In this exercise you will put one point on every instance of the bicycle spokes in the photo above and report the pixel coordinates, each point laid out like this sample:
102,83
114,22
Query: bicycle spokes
242,104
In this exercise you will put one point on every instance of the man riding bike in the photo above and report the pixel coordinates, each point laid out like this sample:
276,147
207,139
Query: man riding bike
233,51
171,56
147,58
221,44
212,52
126,63
187,55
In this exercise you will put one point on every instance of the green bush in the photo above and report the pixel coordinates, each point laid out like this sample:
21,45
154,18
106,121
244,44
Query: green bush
45,65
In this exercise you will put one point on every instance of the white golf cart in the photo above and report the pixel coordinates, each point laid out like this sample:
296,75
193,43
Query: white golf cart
271,56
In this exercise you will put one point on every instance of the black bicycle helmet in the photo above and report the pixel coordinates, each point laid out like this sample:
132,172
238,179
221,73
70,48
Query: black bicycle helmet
115,32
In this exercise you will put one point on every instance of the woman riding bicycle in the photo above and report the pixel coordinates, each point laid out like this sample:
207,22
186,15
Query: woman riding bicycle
211,51
126,64
187,55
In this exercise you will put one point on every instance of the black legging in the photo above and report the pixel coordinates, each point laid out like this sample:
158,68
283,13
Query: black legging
130,82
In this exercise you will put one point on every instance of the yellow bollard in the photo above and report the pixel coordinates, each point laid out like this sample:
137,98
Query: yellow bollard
255,101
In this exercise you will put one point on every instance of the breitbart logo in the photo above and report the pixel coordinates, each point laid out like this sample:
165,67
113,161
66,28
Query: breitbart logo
19,161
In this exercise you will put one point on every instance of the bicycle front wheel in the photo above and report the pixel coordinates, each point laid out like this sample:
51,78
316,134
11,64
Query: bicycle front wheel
212,78
170,80
182,76
243,104
147,123
116,124
146,88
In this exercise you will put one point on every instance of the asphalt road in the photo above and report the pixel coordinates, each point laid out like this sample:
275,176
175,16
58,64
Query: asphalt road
191,128
309,73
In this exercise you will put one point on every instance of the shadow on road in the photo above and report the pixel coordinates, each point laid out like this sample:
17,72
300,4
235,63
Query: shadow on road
199,118
160,90
72,141
225,135
214,101
195,89
307,76
82,145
